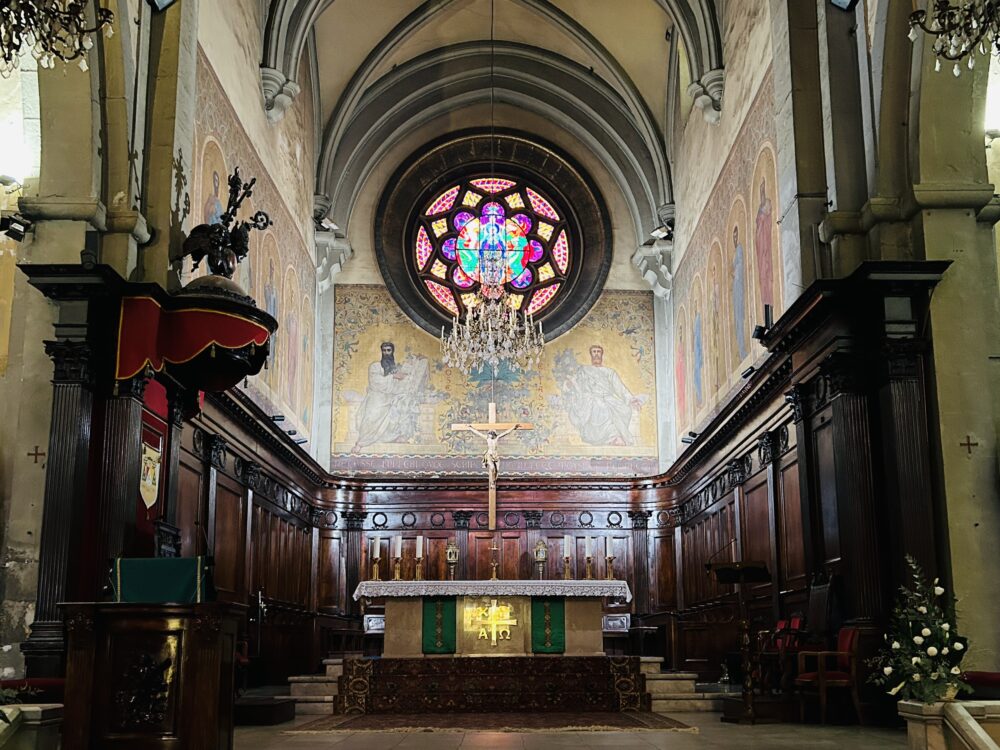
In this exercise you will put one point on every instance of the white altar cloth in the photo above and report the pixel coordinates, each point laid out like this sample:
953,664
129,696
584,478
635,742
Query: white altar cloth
592,588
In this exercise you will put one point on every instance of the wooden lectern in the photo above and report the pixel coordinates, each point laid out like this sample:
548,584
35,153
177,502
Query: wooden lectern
739,574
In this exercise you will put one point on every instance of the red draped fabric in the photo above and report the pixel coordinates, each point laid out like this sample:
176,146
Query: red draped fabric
150,335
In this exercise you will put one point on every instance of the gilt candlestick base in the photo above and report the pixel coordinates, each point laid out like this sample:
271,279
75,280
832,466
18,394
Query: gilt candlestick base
610,560
566,572
397,568
375,562
590,568
418,571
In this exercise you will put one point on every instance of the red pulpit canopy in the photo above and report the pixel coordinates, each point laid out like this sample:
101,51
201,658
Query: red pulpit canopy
205,343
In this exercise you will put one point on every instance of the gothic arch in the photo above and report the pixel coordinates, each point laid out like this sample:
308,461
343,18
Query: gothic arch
537,81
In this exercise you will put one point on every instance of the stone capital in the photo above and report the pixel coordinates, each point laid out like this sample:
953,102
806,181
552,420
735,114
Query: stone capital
653,262
279,92
707,94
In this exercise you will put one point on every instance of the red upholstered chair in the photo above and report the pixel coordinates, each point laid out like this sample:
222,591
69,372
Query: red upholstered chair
830,669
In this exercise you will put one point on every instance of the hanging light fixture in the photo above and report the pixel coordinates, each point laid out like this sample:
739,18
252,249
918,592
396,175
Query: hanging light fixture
50,29
492,331
959,31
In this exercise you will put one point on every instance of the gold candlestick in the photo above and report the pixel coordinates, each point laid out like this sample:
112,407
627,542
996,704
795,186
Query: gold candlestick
375,561
418,571
566,574
397,568
610,560
493,562
590,563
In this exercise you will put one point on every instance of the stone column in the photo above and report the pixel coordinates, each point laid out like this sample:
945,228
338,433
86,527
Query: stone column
65,497
462,518
355,521
121,466
640,554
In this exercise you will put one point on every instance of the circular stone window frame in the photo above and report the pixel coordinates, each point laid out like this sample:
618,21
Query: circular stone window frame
457,158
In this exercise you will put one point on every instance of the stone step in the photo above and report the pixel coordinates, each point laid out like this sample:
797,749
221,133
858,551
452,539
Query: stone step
687,702
650,664
313,688
333,667
313,704
657,684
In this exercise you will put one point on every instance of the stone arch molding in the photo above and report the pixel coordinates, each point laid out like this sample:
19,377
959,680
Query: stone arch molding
588,108
289,23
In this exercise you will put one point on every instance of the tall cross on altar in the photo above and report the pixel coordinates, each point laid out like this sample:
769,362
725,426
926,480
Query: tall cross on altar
491,432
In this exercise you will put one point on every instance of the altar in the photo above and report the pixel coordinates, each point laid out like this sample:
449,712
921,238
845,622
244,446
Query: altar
493,617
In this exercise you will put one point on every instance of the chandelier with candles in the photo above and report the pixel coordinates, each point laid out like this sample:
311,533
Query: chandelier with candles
50,29
959,31
492,331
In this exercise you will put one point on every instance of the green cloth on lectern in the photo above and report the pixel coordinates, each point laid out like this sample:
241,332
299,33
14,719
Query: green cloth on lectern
162,580
548,625
439,625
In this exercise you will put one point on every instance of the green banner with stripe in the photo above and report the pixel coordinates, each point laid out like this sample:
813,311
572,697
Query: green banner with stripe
548,625
439,625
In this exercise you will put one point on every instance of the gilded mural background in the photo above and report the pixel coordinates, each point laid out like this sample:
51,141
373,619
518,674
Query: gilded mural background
592,400
730,269
279,272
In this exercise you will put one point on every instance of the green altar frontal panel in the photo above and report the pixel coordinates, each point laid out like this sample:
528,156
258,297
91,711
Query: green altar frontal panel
439,627
548,625
162,580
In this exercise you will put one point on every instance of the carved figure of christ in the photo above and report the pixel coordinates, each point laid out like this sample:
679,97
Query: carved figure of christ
491,432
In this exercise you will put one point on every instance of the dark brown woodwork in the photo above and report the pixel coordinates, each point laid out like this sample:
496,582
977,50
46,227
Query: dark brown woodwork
150,676
66,471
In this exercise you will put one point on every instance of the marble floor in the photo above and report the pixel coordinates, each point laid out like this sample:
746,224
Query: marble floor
711,735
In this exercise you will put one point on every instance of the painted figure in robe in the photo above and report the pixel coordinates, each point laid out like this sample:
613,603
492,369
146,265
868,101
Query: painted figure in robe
599,404
739,294
390,409
763,250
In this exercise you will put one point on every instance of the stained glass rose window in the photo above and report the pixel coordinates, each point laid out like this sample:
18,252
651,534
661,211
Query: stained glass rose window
492,237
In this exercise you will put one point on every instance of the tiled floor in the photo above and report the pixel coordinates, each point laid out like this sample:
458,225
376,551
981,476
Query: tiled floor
712,735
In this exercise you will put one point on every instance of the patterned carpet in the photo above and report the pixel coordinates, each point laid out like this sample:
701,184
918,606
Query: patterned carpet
495,722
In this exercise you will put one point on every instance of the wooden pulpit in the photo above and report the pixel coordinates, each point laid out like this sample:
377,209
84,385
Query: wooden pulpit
152,676
740,574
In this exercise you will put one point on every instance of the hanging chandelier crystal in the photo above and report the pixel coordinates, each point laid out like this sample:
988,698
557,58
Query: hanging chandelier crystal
959,31
51,29
492,332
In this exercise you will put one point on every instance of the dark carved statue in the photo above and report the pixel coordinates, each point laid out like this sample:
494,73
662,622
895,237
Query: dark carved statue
225,245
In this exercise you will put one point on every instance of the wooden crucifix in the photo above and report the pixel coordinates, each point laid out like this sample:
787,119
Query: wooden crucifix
491,432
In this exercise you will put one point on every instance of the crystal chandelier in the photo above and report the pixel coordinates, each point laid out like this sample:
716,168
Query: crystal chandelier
492,330
491,333
51,29
959,31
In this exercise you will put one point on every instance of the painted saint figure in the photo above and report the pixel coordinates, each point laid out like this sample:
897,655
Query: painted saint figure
389,411
762,249
698,356
598,403
739,294
213,206
680,376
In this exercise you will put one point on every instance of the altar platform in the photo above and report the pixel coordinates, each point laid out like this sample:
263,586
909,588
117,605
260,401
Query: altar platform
493,617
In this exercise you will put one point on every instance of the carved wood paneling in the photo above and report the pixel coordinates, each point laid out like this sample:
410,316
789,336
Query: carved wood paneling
190,493
792,540
230,540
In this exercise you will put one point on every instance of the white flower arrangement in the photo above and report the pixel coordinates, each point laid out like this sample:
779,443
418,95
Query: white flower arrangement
922,662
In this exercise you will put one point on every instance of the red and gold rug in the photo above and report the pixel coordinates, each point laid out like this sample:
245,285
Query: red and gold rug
631,721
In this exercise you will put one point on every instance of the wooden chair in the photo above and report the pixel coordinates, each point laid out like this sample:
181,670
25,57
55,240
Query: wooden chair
834,669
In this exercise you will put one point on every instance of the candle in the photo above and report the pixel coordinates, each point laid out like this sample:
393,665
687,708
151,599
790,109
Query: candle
586,546
377,547
566,545
420,546
398,543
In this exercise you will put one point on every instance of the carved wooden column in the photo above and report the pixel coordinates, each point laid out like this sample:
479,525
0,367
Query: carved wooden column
797,399
215,460
65,497
121,466
168,535
533,523
640,554
355,521
841,378
462,518
906,458
768,453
